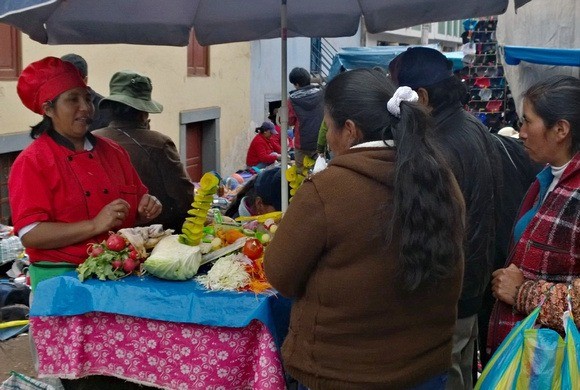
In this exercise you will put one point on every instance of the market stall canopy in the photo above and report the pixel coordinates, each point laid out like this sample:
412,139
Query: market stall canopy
513,55
350,58
154,22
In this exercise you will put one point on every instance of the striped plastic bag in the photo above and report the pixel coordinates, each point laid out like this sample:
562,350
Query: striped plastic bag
542,359
534,359
571,366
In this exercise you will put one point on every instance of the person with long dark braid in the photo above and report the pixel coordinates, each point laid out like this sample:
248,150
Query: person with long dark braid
371,247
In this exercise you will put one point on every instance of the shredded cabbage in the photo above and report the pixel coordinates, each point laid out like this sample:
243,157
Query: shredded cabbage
227,273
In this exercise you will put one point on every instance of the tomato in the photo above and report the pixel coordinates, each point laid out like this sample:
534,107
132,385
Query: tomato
253,248
116,242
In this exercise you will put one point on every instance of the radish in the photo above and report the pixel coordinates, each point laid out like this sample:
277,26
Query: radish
117,264
116,242
96,250
129,265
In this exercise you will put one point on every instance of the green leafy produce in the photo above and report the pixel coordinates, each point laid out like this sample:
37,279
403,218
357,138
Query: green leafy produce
106,263
173,260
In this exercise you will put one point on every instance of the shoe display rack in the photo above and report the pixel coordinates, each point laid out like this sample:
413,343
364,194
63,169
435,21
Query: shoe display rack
489,98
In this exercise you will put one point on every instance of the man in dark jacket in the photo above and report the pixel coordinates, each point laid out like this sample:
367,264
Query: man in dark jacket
153,154
305,113
470,151
101,118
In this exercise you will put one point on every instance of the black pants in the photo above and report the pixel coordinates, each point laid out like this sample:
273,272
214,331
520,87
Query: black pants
100,382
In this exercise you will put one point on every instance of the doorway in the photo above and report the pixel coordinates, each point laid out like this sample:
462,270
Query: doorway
199,141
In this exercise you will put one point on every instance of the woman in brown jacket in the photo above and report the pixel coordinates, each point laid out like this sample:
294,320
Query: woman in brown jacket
371,248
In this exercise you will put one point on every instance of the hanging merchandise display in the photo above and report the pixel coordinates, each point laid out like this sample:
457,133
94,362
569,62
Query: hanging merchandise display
489,97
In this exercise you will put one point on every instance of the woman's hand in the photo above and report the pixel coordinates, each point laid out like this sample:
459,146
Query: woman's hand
506,282
149,208
111,216
52,235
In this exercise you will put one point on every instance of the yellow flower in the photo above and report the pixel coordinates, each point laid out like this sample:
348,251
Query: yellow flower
308,162
291,173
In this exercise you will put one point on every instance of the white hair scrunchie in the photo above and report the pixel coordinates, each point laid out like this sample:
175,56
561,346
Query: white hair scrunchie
401,94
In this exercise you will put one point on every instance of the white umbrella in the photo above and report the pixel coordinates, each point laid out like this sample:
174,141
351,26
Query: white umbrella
168,22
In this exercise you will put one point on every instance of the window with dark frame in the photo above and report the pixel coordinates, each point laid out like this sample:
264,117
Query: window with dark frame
6,161
197,57
10,52
10,68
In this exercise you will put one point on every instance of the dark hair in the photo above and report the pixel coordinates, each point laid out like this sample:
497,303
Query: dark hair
268,186
427,211
446,93
261,129
422,67
45,124
299,76
120,111
555,98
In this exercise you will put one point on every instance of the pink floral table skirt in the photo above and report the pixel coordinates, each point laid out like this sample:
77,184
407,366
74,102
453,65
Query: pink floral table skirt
169,355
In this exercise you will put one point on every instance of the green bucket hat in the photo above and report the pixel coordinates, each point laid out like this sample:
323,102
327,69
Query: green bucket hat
133,89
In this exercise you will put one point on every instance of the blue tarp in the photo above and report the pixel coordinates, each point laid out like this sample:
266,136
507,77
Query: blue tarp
153,298
367,57
513,55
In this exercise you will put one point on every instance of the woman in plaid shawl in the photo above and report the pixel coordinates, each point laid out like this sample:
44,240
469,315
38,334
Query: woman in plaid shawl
545,255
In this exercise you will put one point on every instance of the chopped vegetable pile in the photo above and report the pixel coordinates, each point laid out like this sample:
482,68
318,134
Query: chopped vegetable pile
236,272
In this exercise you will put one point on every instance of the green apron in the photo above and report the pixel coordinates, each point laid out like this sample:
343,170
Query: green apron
42,270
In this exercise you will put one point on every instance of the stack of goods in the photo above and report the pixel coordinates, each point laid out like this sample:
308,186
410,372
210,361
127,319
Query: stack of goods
489,98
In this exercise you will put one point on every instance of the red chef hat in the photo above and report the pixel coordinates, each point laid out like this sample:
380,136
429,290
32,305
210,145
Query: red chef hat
44,80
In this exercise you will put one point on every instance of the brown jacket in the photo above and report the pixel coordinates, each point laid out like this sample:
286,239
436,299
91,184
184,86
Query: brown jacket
157,161
352,326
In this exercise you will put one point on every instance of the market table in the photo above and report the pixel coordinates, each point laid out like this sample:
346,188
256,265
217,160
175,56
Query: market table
169,334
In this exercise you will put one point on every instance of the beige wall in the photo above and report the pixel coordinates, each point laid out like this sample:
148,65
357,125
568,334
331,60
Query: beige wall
228,87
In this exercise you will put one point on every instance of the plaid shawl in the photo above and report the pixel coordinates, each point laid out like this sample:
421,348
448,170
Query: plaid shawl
549,247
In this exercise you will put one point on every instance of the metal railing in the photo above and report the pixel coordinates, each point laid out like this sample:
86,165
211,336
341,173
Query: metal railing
321,55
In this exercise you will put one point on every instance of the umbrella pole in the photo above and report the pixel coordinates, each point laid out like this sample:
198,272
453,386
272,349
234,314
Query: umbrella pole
284,105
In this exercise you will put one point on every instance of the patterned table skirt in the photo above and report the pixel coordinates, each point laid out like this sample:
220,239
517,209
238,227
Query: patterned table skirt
169,355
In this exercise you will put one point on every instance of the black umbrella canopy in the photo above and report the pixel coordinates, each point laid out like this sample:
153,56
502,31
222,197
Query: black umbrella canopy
168,22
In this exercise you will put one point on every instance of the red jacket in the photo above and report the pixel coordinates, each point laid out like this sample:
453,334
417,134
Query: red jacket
51,183
275,138
262,150
549,248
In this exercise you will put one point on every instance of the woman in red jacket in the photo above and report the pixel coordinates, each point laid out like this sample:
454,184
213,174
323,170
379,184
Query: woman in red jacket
68,188
263,151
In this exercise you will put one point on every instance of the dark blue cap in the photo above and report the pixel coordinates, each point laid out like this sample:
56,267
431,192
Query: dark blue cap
420,67
269,187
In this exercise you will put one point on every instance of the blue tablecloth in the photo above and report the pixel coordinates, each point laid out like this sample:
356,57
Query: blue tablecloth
153,298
